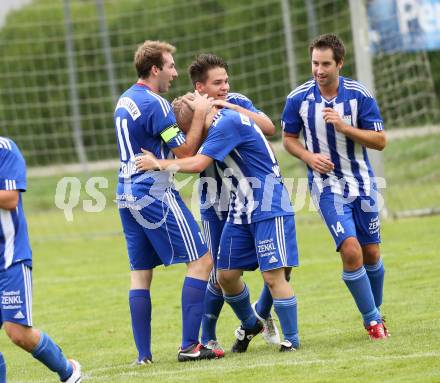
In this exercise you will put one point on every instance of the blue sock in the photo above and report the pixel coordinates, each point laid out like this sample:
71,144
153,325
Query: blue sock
264,303
193,294
286,310
360,288
140,310
50,354
2,369
376,274
212,306
241,305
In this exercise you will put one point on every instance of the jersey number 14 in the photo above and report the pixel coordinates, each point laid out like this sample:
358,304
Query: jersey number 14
338,228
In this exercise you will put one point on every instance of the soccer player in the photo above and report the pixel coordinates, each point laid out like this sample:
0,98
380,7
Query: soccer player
209,75
260,227
340,119
158,227
16,272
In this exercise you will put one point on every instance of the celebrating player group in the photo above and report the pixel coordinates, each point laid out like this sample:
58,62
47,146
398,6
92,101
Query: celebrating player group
247,216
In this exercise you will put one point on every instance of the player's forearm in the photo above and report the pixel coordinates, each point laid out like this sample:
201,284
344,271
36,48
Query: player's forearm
264,122
295,147
181,165
9,199
194,136
368,138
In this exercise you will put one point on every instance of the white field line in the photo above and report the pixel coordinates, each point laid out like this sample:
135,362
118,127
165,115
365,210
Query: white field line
221,368
240,367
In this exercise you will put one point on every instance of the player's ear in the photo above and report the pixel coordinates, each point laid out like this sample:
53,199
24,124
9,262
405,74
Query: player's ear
199,87
155,70
341,64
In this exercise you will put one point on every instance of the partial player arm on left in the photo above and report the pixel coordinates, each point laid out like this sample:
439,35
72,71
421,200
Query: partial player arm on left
12,179
9,199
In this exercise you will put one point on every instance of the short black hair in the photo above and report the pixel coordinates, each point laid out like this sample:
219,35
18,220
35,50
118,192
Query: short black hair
198,69
329,41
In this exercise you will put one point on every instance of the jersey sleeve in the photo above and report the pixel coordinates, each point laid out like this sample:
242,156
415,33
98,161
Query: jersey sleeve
369,117
291,121
165,125
12,171
241,100
221,140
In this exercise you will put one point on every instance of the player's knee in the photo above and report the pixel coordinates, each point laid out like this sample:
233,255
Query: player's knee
206,263
222,278
19,335
201,267
371,254
226,278
351,254
274,278
141,279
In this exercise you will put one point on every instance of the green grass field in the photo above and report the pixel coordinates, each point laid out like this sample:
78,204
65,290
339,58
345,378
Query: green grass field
81,283
80,298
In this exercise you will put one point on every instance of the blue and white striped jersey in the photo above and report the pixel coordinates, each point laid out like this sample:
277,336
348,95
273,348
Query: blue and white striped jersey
214,193
241,100
14,239
143,119
250,167
353,175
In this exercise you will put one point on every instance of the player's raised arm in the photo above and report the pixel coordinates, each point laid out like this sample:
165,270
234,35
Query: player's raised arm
201,105
373,139
262,120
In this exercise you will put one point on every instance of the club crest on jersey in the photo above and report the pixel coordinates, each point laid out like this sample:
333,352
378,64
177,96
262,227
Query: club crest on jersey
347,119
245,120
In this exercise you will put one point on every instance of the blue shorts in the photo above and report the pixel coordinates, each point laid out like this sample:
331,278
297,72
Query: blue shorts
213,228
268,244
356,217
16,294
164,232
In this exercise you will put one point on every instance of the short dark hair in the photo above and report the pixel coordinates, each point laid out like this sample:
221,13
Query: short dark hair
329,41
198,69
150,53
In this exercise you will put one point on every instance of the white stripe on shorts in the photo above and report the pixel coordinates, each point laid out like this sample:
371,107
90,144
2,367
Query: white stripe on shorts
28,292
281,239
184,228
